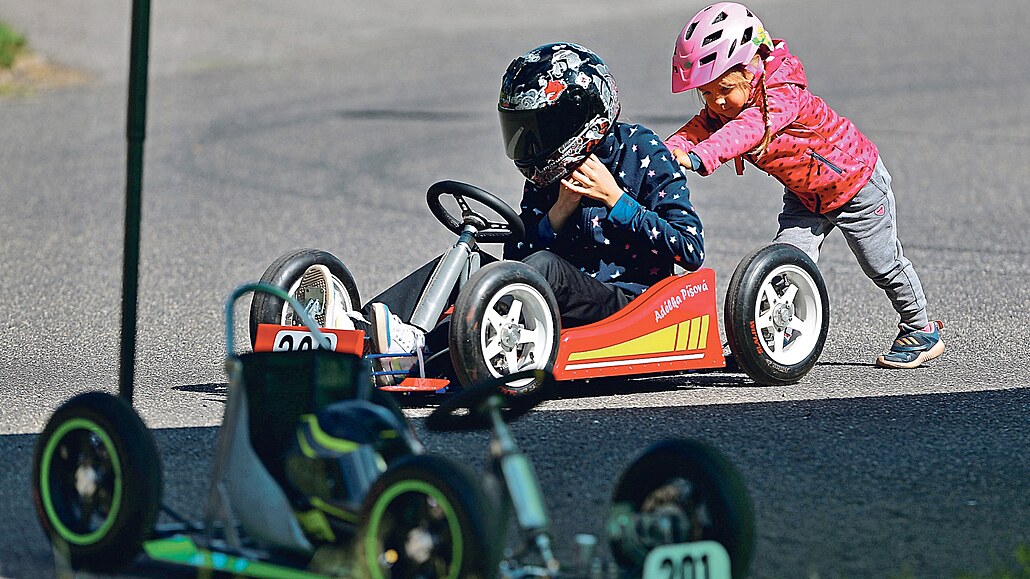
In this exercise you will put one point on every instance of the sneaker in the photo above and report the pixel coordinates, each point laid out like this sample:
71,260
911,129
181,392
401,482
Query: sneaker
315,293
913,347
343,319
390,335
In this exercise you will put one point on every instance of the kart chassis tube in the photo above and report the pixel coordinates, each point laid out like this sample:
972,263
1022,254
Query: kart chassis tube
453,269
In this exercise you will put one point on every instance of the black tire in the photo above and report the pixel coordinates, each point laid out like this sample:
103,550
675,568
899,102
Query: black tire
285,273
99,435
439,499
482,349
693,489
777,314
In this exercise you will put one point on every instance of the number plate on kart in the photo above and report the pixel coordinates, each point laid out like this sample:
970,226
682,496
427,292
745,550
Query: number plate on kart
273,338
700,560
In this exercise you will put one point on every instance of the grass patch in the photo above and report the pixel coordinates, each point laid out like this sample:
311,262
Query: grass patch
11,43
1020,570
23,73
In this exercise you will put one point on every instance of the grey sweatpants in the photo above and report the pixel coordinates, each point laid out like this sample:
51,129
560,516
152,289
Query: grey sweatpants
869,224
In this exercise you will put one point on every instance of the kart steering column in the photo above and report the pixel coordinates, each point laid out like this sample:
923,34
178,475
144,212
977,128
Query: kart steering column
454,264
523,486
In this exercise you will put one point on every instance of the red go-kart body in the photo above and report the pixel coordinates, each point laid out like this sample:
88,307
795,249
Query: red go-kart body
671,327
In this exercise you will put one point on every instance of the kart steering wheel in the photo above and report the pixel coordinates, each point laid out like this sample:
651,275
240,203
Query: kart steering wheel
511,229
466,409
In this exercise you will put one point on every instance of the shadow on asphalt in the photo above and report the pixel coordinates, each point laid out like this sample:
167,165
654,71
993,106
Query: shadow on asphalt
575,389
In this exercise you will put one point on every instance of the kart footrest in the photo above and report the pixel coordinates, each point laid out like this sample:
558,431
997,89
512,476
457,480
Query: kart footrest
418,385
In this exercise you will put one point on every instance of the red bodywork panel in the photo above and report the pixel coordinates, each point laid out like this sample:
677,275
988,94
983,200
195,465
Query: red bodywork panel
414,384
671,327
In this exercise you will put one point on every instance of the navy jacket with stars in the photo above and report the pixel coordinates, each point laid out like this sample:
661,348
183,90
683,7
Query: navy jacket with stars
652,227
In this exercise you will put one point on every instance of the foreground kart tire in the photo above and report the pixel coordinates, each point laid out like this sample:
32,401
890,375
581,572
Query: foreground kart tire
285,273
777,314
680,491
505,321
96,481
427,516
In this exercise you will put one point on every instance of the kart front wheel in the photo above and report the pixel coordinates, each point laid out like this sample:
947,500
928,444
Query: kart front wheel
96,481
680,491
505,321
285,273
777,314
427,516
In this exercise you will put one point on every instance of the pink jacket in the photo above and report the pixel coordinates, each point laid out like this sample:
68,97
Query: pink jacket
815,153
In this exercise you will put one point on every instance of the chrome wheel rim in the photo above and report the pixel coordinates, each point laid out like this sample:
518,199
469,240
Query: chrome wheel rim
517,332
788,315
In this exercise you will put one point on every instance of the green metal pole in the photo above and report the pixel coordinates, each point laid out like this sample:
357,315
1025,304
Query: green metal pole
136,132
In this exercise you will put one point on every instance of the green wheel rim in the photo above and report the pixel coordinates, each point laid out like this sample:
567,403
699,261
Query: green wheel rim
379,508
45,482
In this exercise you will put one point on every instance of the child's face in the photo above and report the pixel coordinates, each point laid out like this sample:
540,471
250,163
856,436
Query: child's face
727,94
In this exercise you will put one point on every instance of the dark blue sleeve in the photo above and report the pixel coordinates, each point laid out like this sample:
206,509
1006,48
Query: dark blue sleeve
533,211
656,206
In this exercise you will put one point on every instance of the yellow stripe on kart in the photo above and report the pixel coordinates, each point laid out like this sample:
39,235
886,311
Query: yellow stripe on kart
689,335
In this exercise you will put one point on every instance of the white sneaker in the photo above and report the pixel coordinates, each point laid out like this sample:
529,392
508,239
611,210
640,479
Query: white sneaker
390,335
342,319
315,293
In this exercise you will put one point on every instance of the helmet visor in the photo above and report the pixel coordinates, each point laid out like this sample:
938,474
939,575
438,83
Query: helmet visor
531,135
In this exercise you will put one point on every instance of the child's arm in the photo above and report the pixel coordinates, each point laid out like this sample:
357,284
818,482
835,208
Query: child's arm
594,180
660,214
693,132
742,134
687,160
535,206
563,208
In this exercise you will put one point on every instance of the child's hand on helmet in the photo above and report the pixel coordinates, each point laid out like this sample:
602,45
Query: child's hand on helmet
593,179
564,206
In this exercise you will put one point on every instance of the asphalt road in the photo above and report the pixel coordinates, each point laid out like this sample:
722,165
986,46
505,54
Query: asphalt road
274,126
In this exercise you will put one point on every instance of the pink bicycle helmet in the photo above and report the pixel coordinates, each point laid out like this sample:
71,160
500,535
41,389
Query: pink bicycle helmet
715,40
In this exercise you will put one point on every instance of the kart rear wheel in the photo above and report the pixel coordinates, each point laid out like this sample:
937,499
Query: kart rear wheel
679,491
777,314
285,273
96,481
427,516
505,321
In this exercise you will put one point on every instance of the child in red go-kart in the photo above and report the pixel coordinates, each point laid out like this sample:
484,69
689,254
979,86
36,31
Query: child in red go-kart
606,206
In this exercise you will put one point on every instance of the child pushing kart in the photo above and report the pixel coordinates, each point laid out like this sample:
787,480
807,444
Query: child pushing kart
757,106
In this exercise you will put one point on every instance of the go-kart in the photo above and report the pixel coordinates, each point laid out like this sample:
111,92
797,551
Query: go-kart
317,474
500,317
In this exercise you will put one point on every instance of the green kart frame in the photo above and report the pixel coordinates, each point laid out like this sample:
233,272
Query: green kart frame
679,507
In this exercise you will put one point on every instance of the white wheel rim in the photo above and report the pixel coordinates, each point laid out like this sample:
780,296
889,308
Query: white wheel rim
788,315
517,332
340,293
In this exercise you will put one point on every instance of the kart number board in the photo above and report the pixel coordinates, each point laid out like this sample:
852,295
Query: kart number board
273,338
698,560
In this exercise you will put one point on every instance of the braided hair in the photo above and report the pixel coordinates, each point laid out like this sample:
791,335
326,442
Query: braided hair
739,75
766,119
